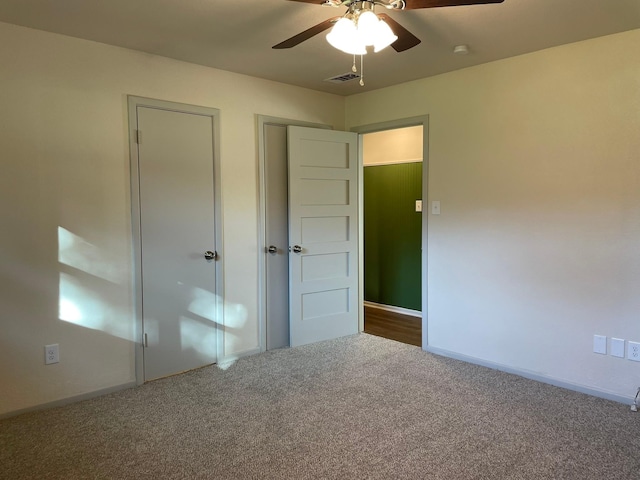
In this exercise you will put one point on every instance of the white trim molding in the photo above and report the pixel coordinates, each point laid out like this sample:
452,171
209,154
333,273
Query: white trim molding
556,382
394,309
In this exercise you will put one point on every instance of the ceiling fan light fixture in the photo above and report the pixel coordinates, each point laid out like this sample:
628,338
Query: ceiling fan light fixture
368,27
344,36
360,27
353,33
384,36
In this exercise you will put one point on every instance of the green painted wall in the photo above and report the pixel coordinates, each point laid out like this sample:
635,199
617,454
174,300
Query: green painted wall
393,235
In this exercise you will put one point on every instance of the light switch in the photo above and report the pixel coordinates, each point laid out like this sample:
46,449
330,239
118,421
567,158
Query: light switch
600,344
435,207
617,347
418,205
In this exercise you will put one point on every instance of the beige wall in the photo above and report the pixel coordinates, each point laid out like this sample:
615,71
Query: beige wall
400,145
65,174
535,162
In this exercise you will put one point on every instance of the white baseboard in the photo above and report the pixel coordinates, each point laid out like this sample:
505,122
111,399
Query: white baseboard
391,308
69,400
225,362
533,376
228,360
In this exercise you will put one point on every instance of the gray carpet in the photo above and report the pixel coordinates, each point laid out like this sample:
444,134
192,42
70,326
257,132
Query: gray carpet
353,408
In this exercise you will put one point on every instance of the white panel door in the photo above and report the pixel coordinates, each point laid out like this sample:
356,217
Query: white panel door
323,231
177,227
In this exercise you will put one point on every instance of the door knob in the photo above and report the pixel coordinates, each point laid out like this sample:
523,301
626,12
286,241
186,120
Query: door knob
272,249
297,249
209,255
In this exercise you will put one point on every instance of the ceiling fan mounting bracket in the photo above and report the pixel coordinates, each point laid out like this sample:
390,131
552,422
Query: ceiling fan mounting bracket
352,4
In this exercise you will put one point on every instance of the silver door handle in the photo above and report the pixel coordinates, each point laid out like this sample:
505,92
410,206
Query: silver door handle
209,255
272,249
297,249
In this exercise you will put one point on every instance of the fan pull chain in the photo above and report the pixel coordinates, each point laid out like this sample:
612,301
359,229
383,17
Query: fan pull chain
354,69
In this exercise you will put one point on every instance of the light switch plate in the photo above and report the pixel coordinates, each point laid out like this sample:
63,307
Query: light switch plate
418,205
600,344
617,347
435,207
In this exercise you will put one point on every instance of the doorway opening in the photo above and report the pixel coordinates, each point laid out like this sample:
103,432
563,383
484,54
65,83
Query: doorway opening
276,128
273,232
392,206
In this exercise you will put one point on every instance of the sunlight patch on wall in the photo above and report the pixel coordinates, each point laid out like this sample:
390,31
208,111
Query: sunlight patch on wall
235,318
204,304
76,252
207,305
197,336
83,307
69,312
235,315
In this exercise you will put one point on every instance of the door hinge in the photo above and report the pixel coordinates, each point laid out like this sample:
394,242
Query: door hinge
145,341
139,137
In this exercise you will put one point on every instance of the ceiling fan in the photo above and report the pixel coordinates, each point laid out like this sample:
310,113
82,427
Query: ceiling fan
398,37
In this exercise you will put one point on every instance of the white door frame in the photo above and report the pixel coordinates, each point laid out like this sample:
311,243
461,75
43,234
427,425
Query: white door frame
263,120
392,125
133,103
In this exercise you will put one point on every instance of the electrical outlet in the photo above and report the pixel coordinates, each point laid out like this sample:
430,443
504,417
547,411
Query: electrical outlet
633,351
51,354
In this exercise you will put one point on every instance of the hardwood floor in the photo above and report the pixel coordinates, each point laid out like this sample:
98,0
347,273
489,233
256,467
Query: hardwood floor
394,326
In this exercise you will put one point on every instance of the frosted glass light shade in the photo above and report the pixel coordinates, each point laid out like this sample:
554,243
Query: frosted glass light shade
384,36
353,38
344,36
368,27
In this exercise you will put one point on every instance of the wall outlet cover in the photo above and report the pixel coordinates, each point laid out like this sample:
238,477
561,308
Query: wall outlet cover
51,354
633,351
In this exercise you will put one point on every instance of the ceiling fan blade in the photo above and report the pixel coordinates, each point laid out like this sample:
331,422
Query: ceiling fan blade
406,39
414,4
317,2
307,34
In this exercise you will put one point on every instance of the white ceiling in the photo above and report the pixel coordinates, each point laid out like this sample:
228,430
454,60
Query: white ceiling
237,35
